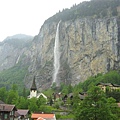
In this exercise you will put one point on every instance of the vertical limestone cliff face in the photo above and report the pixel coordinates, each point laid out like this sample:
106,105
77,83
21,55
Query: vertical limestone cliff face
42,57
91,47
87,47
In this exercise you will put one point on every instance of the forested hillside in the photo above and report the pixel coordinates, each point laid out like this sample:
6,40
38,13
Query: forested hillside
93,9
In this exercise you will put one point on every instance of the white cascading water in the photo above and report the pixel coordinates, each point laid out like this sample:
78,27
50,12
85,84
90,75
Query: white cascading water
56,56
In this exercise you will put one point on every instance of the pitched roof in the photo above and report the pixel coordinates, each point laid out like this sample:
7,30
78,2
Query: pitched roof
7,107
1,102
104,84
41,94
20,112
45,116
108,84
33,87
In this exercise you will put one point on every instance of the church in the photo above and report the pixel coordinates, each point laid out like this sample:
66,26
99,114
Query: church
34,92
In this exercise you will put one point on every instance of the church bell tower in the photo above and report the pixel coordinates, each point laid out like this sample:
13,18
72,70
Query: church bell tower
33,90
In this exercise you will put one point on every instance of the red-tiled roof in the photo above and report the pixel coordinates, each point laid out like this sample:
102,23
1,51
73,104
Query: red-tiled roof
34,115
7,107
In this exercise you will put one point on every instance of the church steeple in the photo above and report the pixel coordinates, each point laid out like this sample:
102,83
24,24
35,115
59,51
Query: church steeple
33,87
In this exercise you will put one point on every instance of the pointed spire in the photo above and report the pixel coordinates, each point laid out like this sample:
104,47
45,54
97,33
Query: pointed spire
33,87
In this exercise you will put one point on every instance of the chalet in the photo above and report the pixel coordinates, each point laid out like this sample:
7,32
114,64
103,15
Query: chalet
7,112
42,116
71,95
22,114
57,96
34,92
111,86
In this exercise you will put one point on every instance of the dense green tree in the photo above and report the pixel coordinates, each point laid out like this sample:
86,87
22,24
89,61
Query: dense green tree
12,97
33,105
50,101
70,89
14,87
96,107
3,94
114,93
41,101
22,103
24,93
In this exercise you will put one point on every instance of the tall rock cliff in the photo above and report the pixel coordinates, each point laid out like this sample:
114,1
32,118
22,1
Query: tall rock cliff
87,47
89,43
13,50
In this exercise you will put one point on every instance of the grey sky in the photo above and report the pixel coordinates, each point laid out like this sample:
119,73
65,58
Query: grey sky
27,16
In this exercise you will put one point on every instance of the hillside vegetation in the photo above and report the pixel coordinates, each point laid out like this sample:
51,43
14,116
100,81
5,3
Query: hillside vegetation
93,9
14,75
18,40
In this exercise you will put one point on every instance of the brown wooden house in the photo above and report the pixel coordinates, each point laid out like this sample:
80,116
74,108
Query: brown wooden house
7,112
57,96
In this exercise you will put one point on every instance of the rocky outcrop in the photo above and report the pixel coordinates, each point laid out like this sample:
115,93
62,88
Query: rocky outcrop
14,50
87,47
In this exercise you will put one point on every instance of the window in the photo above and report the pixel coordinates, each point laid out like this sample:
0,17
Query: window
6,116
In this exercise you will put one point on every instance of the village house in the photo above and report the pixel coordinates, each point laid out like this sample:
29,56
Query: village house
22,114
111,86
57,96
7,112
81,95
43,116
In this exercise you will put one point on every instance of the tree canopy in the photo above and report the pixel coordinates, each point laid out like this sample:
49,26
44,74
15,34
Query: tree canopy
96,107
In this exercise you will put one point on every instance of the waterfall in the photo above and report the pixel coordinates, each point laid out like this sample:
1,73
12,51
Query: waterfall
56,56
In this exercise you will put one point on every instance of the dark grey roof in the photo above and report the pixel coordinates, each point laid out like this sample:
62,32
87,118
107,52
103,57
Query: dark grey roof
104,84
33,87
115,85
21,112
1,102
108,84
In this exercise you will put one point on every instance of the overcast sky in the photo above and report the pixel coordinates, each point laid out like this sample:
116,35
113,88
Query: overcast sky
27,16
